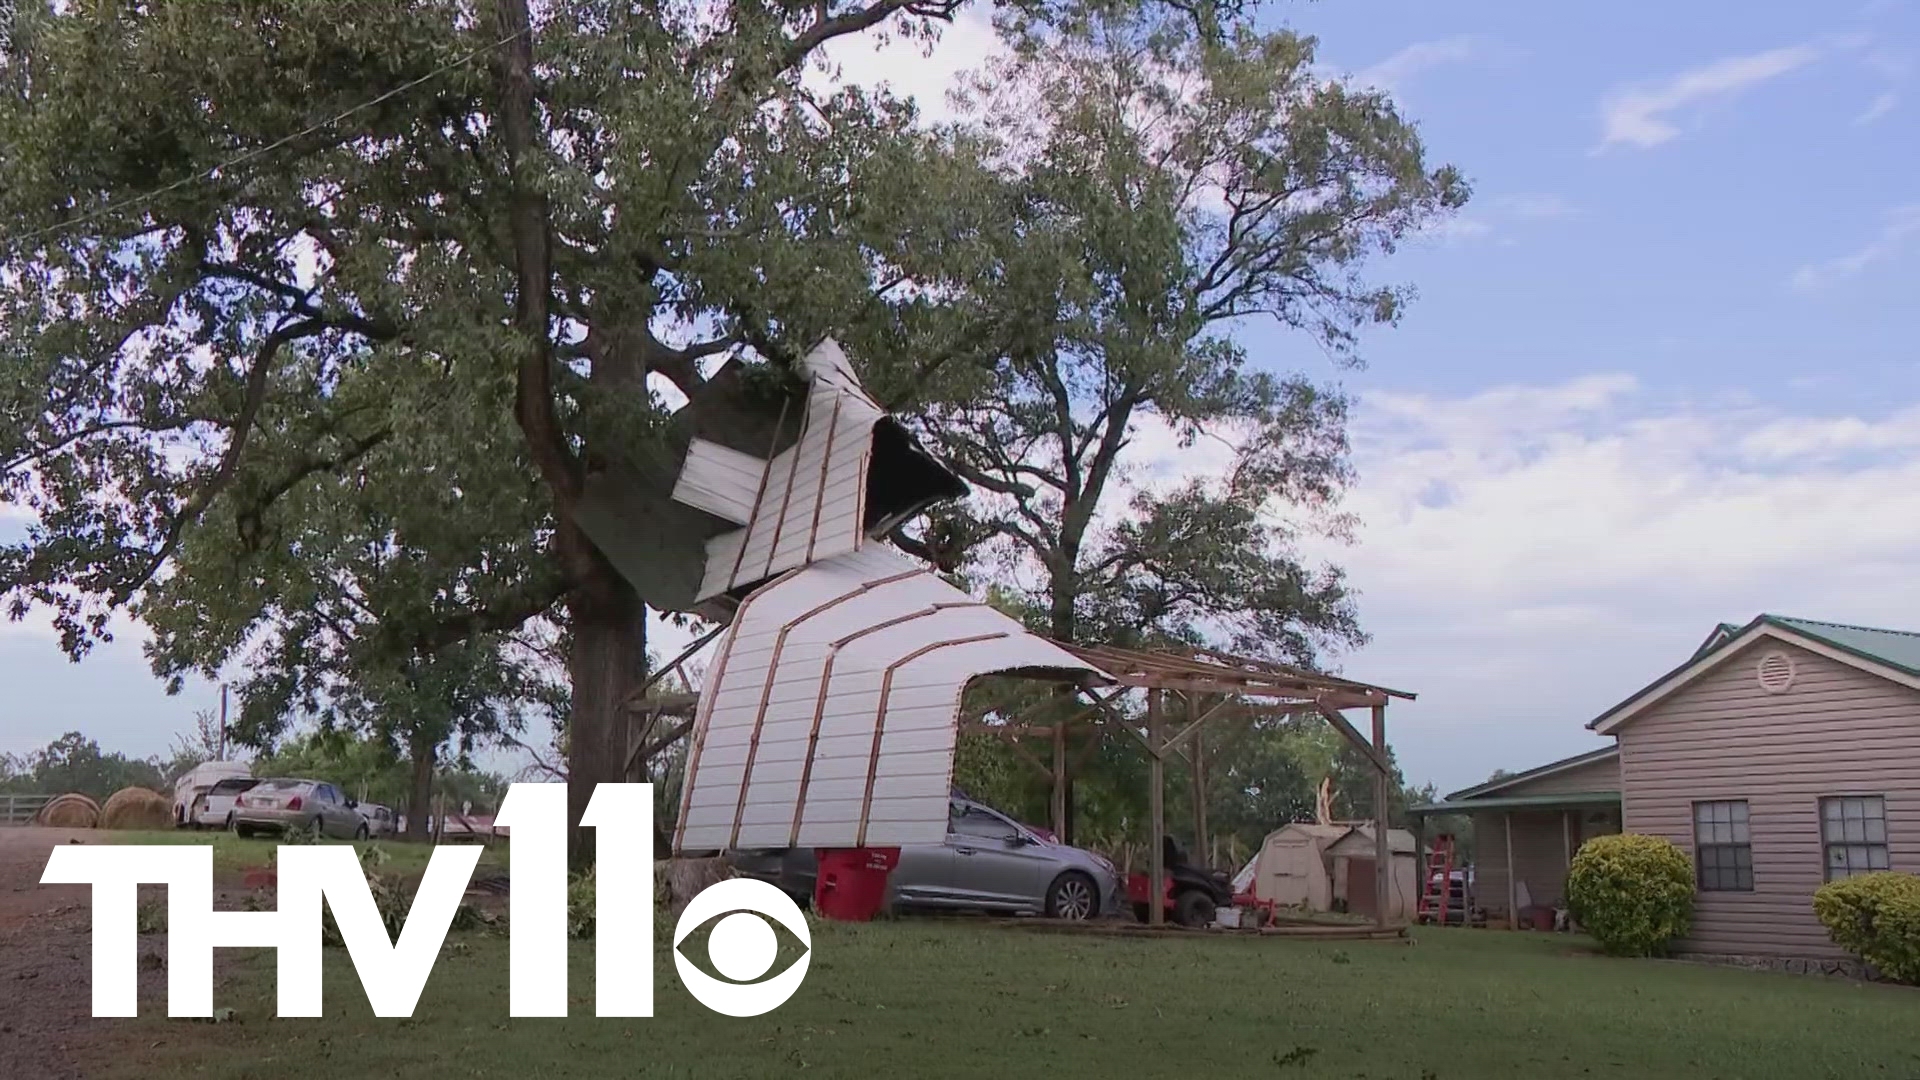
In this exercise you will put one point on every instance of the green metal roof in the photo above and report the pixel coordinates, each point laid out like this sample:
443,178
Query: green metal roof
1894,648
1518,802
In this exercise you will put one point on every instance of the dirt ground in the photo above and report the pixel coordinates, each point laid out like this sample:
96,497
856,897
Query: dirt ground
47,1029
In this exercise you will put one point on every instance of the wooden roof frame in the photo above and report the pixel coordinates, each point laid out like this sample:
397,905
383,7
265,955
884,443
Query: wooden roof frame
1211,671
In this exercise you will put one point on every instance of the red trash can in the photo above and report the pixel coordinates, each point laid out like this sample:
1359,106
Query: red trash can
851,884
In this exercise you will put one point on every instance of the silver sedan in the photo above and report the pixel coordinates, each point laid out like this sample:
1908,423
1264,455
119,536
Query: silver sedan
285,805
989,862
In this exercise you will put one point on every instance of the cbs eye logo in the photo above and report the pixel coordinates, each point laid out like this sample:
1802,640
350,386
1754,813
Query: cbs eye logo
742,947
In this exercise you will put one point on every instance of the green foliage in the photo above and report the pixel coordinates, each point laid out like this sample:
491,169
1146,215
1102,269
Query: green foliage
74,762
1633,893
393,898
1877,918
1144,189
580,905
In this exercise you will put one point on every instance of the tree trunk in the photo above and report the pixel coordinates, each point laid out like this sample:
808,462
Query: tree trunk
420,802
607,663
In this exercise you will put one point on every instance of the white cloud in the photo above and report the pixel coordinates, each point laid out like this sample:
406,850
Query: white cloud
1393,73
1538,206
1898,227
914,69
1529,555
1881,105
1641,116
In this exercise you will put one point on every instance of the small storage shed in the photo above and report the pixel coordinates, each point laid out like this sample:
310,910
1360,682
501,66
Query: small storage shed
1291,867
1352,856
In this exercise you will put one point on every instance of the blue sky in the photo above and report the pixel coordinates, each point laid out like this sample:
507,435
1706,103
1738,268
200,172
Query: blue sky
1660,373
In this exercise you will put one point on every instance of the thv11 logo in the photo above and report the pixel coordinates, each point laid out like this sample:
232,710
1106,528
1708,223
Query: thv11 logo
742,946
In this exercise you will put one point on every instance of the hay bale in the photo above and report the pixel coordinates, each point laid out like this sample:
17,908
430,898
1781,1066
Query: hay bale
70,811
137,808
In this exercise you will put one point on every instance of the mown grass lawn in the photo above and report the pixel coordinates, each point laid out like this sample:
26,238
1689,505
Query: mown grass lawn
953,999
234,854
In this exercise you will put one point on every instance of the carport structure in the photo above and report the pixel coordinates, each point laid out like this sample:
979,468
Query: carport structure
1186,689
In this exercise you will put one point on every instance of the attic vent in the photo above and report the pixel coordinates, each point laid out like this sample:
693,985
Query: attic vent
1776,672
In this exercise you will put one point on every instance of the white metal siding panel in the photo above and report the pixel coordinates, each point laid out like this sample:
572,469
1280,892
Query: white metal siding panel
1836,731
866,612
810,505
720,480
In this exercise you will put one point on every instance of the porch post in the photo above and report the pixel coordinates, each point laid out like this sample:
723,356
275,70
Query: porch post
1059,801
1513,892
1156,814
1199,752
1382,849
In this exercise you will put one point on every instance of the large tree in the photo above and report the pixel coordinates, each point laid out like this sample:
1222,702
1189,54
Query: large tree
303,282
1160,191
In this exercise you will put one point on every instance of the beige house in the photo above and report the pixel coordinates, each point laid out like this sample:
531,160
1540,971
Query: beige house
1780,755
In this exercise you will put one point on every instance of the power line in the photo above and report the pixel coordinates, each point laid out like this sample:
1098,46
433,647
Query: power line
241,159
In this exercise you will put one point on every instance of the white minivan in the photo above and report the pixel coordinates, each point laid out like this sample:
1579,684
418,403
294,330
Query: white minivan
198,781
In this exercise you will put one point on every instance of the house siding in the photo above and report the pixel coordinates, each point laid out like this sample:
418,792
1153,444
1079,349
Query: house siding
1601,775
1836,730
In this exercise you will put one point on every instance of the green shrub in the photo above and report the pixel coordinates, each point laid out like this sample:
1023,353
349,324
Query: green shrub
580,905
1634,894
1877,918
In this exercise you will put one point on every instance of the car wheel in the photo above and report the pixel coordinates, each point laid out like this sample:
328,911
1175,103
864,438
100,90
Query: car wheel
360,833
1073,896
317,828
230,825
1193,908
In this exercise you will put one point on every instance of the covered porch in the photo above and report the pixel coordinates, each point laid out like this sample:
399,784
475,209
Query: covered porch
1527,827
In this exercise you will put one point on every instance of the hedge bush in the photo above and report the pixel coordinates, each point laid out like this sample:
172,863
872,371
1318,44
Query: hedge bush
1634,894
1877,918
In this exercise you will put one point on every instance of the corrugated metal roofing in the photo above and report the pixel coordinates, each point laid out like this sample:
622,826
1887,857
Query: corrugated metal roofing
1894,648
807,502
830,714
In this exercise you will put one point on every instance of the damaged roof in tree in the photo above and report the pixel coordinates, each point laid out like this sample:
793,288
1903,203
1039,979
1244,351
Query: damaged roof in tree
759,474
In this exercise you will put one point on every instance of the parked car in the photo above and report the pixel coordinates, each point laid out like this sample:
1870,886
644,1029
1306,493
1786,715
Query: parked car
288,805
214,809
198,781
381,820
989,862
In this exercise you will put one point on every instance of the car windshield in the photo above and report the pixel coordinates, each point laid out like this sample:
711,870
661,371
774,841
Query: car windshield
282,785
234,786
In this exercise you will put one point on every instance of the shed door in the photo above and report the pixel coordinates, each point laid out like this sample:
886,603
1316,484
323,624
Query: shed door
1360,887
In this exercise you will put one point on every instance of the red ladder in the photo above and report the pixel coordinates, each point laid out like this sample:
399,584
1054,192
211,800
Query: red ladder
1437,887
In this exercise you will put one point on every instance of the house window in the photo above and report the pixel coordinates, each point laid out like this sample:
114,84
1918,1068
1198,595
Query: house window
1853,829
1722,847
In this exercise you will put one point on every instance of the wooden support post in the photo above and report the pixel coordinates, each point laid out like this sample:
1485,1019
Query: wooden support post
1513,893
1156,814
1382,846
1059,804
1566,839
1199,780
1420,863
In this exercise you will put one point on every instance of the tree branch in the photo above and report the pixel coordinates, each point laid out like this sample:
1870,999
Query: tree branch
529,222
503,614
257,378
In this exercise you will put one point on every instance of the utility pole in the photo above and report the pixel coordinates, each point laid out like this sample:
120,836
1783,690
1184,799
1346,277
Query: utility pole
223,721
